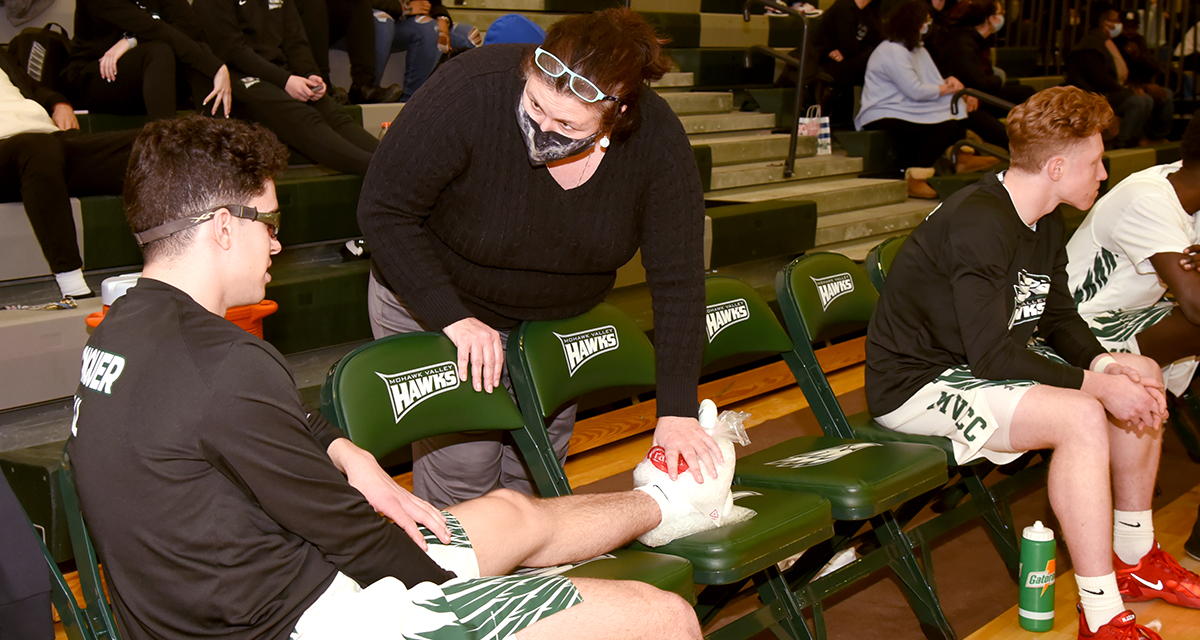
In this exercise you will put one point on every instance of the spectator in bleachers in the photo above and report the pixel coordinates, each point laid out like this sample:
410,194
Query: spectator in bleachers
951,353
124,54
905,95
238,513
1096,64
966,54
351,22
514,28
423,29
1134,247
279,83
845,37
940,13
44,159
512,187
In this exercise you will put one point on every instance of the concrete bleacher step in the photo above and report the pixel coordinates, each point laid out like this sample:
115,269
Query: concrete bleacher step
831,195
699,102
860,225
674,80
759,173
740,147
732,121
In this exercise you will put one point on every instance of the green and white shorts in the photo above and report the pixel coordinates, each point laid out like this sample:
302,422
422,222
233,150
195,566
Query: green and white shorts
975,414
1117,331
468,607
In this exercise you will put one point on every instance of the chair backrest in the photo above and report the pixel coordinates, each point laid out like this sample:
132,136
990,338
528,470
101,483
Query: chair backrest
394,391
99,615
552,362
738,322
822,296
880,257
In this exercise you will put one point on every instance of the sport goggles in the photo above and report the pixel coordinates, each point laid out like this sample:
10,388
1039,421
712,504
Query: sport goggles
583,88
269,218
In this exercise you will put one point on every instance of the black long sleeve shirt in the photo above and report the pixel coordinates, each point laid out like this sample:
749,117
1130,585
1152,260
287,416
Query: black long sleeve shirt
260,38
970,286
212,501
965,54
461,225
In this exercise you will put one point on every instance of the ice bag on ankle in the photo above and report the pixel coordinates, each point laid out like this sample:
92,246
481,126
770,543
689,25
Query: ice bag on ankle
711,500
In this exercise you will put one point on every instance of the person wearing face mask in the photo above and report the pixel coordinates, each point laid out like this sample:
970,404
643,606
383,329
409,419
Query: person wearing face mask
511,187
966,54
1096,64
905,95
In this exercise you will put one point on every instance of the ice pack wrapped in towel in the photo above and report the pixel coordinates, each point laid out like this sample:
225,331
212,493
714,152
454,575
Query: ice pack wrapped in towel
694,506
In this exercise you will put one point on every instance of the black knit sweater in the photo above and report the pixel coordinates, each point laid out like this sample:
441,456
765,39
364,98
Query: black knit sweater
460,224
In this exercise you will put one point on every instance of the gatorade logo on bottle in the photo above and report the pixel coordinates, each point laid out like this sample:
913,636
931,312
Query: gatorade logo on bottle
1041,579
658,458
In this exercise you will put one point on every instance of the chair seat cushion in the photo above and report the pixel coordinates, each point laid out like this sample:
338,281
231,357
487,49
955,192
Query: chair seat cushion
785,523
860,479
866,428
669,573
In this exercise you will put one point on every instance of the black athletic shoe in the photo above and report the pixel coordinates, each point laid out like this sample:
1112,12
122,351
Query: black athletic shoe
338,95
1192,546
375,95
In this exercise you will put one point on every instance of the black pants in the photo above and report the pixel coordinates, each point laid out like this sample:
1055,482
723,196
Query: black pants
144,74
327,21
42,170
320,130
918,144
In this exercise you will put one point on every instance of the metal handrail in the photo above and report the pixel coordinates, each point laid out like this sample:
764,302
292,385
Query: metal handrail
985,98
790,166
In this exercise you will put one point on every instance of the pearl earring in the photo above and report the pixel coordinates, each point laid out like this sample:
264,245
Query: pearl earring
604,142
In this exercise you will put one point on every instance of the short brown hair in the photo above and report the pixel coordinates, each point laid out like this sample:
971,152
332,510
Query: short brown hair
617,50
1052,121
182,166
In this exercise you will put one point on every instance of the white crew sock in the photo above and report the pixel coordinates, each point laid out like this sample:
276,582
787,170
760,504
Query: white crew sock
1133,535
670,506
71,283
1100,598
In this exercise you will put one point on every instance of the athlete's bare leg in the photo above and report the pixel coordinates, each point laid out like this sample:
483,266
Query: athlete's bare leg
1090,455
618,610
510,529
1075,426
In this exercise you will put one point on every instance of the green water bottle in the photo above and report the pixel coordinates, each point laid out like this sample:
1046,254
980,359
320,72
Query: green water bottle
1036,600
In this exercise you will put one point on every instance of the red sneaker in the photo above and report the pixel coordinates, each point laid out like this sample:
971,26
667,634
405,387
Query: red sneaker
1157,575
1122,627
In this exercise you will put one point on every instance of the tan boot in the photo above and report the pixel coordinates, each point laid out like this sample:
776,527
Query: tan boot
971,163
918,185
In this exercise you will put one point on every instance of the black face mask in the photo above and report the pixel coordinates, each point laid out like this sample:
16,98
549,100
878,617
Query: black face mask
548,146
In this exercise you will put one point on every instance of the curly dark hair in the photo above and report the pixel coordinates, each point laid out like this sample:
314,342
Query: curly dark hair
182,166
618,51
903,24
1052,121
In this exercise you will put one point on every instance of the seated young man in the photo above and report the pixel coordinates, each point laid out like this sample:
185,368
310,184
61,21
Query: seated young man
220,509
949,353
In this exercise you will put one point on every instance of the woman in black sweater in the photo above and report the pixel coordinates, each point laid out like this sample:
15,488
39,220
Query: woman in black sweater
512,187
124,53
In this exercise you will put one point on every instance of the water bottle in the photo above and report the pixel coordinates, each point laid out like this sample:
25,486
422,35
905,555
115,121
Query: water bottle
1036,600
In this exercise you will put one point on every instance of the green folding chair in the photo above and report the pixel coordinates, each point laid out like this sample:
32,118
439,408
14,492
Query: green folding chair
74,620
391,392
99,615
863,481
823,296
880,257
554,362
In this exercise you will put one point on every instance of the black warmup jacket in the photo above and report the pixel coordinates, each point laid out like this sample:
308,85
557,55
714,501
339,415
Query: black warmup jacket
211,499
970,286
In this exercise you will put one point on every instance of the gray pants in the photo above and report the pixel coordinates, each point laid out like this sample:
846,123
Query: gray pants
454,468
